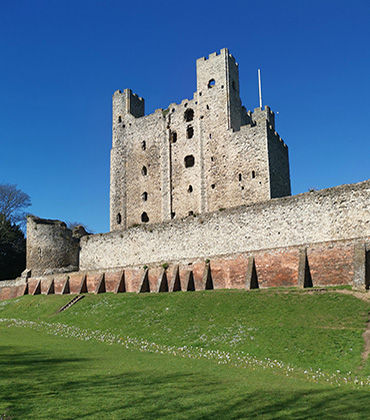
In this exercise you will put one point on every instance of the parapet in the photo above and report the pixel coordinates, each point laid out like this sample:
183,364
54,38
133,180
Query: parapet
261,114
223,52
127,102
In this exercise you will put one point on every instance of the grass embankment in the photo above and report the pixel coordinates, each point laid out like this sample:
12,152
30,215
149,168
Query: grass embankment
285,342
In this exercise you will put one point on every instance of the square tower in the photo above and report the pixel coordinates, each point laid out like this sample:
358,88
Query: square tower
202,155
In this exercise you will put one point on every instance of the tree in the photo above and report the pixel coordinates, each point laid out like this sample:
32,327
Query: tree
12,249
12,203
74,225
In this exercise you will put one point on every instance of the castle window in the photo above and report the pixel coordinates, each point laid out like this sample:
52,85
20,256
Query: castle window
190,189
119,218
189,161
143,145
233,85
211,83
191,213
173,214
144,218
207,106
119,119
144,171
189,132
213,186
144,196
210,135
240,177
189,115
253,174
174,137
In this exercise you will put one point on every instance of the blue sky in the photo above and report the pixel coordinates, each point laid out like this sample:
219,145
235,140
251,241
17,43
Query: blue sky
61,61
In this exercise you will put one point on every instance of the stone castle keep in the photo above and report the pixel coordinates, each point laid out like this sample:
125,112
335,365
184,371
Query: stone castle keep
200,199
196,157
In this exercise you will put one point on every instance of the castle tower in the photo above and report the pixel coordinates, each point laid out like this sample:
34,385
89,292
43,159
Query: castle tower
218,89
204,154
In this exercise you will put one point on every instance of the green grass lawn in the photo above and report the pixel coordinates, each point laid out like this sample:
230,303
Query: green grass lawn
245,355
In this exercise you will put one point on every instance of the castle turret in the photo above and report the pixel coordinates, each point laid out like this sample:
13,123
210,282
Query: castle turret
218,88
51,246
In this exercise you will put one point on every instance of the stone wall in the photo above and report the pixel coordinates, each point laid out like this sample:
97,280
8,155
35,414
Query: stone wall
51,246
195,157
337,214
319,265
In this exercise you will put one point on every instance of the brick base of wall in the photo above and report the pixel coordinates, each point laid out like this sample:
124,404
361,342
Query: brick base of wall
318,265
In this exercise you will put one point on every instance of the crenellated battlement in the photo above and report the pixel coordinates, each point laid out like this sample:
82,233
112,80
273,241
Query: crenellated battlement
194,157
223,52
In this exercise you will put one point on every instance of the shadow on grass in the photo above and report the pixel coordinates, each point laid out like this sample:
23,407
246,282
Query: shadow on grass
37,385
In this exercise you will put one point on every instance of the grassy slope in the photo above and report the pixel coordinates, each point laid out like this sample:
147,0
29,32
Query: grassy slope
318,331
43,374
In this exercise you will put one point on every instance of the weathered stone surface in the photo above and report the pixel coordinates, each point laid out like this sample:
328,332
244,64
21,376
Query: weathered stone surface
336,214
51,247
201,155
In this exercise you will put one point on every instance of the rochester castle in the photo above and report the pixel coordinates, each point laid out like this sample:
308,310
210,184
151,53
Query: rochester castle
197,157
200,199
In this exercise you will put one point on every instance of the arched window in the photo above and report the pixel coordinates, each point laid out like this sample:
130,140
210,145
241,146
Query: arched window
211,83
144,217
144,196
119,218
144,171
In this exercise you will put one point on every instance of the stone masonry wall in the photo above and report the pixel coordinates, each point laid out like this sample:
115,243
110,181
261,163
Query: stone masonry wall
337,214
51,246
195,157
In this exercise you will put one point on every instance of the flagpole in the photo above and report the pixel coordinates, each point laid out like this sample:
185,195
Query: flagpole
259,87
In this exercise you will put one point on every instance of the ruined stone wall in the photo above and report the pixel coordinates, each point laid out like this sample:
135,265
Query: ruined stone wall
51,246
202,155
336,214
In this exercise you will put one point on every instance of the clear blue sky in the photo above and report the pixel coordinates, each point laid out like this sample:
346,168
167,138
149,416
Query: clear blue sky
61,61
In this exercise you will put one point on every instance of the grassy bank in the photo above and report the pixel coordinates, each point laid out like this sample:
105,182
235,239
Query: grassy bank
263,354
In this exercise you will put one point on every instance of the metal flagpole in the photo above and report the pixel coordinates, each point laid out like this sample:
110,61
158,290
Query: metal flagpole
259,87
